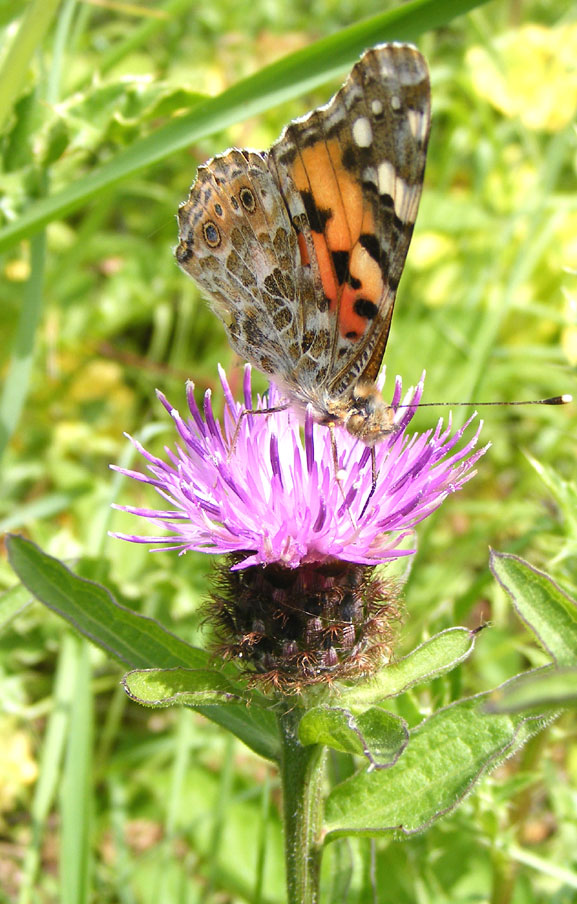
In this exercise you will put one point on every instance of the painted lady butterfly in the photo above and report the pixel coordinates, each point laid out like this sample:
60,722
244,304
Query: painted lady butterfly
301,249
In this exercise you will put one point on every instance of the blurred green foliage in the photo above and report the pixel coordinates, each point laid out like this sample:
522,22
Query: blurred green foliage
176,811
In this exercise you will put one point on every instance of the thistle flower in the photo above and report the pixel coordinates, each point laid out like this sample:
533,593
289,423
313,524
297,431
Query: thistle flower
299,598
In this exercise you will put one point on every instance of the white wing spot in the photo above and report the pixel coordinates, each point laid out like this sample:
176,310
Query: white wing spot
416,124
362,132
390,183
404,201
386,178
395,102
388,69
377,107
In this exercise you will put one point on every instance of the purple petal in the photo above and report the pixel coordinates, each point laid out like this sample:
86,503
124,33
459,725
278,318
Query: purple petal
275,496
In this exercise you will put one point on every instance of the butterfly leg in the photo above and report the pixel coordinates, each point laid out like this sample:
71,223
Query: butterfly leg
246,411
337,470
374,478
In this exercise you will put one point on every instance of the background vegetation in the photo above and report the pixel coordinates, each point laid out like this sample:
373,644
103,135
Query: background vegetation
101,800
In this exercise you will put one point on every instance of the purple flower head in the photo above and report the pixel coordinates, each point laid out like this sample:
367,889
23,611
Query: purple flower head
273,497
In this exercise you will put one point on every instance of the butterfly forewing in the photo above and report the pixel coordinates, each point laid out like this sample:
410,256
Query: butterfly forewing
351,174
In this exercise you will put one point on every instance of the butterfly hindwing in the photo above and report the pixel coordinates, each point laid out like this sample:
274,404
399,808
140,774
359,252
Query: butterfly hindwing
237,242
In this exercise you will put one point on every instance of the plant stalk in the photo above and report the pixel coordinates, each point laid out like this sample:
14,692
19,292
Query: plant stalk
302,772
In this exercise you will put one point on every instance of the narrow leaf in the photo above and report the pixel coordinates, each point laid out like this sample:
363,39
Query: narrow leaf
77,787
57,736
539,602
191,687
131,638
436,656
446,755
564,492
12,602
17,377
376,734
542,689
33,26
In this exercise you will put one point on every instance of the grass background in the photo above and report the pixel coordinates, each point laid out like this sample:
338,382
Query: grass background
106,111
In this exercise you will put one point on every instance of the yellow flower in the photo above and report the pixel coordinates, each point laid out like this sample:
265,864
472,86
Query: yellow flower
531,73
17,765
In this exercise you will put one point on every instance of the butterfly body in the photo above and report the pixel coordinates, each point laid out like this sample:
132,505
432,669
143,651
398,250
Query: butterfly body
300,249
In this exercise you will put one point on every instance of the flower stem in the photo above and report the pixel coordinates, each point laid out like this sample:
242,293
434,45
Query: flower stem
301,777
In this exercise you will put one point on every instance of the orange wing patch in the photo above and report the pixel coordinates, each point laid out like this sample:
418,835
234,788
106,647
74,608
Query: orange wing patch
338,217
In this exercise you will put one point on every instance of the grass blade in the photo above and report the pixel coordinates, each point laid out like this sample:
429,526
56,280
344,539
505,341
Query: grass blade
17,379
76,793
284,79
54,742
33,27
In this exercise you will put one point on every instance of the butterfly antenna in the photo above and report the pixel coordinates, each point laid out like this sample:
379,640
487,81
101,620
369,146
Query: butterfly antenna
564,399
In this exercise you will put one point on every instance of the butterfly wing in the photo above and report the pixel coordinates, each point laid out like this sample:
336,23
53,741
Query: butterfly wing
237,242
351,174
301,251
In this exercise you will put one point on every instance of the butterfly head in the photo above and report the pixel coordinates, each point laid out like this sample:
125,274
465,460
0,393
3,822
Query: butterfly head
368,417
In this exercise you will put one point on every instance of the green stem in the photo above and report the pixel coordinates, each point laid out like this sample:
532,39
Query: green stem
505,868
504,878
301,777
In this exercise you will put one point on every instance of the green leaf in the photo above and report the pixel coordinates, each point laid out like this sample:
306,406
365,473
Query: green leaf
440,654
286,78
376,734
17,377
12,603
115,111
539,602
446,756
14,69
132,639
564,493
542,689
189,687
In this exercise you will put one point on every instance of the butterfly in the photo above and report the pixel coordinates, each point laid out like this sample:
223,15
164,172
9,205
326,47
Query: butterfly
300,249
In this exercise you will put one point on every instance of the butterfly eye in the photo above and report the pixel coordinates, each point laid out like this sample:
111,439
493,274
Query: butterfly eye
247,199
211,234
